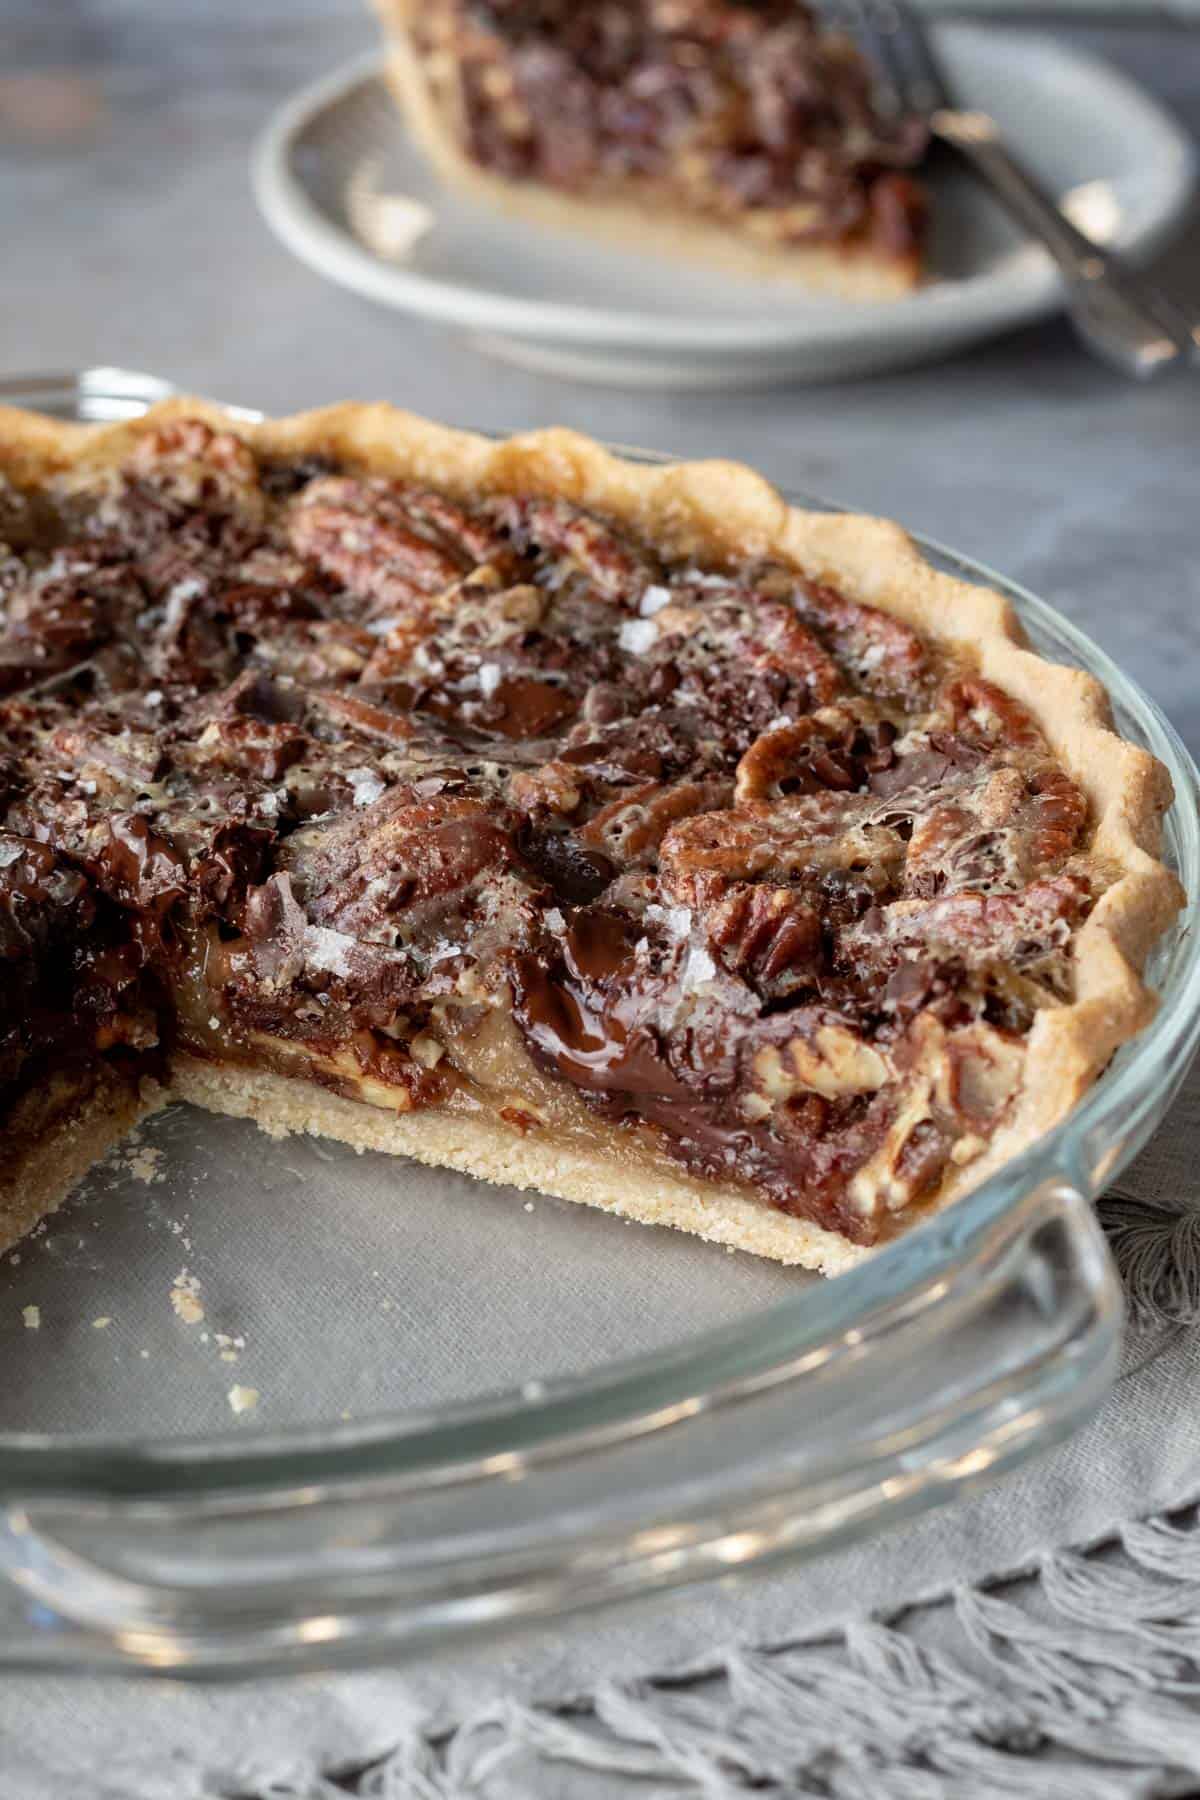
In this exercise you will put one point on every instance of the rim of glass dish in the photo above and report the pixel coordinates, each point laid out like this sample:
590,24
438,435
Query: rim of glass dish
575,1414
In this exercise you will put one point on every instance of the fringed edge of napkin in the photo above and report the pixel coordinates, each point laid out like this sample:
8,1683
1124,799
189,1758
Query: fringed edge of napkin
1091,1666
1089,1662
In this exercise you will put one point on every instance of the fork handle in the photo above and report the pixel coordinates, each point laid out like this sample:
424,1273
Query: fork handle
1133,329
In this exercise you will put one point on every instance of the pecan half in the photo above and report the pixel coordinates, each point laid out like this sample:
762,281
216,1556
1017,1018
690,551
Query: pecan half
629,830
387,544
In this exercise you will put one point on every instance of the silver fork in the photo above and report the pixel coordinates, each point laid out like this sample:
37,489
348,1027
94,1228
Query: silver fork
1124,317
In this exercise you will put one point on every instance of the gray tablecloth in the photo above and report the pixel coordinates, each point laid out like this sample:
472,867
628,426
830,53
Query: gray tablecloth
131,237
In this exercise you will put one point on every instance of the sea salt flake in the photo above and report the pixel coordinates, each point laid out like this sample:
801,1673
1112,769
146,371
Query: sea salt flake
190,588
154,697
710,579
9,854
367,786
328,950
490,677
637,635
653,600
555,921
698,968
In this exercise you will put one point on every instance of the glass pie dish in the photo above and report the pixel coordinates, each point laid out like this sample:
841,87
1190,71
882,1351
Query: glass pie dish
272,1405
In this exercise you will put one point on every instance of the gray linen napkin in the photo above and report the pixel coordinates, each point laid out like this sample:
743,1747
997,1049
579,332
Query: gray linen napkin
895,1667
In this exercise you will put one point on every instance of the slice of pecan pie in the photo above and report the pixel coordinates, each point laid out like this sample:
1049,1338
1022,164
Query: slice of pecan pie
611,830
739,131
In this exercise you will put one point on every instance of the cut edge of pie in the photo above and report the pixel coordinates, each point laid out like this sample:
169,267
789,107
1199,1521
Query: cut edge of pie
847,270
694,509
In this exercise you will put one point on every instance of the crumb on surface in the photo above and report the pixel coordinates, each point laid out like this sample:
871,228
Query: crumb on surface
185,1297
32,1316
242,1399
102,1323
144,1163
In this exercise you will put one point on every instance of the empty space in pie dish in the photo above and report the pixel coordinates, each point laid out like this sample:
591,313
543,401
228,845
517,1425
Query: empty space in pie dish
333,1284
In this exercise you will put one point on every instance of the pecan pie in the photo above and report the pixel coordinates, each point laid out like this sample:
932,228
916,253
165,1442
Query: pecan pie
611,830
734,130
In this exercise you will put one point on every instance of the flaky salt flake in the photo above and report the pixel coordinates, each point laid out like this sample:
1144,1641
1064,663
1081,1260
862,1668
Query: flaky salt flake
9,854
679,921
698,968
32,1316
328,950
555,921
637,635
242,1399
529,1206
653,601
366,785
490,677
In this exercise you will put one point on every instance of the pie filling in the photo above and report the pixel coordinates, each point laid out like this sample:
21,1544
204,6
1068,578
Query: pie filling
750,115
447,805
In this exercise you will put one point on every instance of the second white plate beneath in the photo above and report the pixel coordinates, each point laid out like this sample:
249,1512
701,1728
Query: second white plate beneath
341,183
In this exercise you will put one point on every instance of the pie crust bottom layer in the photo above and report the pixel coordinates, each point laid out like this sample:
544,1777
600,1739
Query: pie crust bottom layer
602,1174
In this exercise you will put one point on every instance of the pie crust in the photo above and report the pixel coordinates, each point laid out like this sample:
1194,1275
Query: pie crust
853,269
709,512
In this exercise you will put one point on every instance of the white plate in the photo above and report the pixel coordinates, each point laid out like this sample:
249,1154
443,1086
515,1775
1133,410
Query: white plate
341,184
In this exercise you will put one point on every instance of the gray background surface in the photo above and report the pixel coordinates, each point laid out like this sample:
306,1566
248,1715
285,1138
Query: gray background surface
132,237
